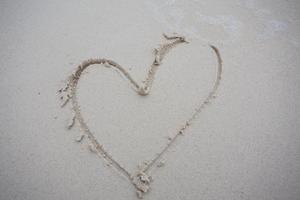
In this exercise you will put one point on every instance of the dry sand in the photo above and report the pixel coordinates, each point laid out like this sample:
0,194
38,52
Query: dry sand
245,145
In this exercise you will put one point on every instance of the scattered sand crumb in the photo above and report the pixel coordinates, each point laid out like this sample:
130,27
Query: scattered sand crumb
92,148
79,138
141,181
71,122
139,194
161,164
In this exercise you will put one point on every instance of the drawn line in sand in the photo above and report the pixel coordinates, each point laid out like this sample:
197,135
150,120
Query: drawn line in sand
141,179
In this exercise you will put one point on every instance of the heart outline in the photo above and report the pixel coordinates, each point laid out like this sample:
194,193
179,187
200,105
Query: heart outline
140,180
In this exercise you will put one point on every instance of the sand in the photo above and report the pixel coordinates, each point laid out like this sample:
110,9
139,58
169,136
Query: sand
139,179
243,145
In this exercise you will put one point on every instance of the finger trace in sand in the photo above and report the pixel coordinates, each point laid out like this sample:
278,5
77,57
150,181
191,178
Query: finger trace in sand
141,179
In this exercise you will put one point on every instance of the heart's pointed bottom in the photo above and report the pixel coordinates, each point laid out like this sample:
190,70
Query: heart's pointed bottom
143,90
141,182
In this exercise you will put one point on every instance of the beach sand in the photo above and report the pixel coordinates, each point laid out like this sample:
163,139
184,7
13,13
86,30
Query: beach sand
244,145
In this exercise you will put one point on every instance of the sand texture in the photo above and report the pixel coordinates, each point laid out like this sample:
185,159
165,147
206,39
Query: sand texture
96,103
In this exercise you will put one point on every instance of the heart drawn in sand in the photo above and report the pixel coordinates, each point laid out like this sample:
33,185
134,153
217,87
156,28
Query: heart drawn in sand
141,179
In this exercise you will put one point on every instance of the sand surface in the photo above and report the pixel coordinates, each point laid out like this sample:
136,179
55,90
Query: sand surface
244,145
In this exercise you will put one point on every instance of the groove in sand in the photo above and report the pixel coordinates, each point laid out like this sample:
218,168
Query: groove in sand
140,180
